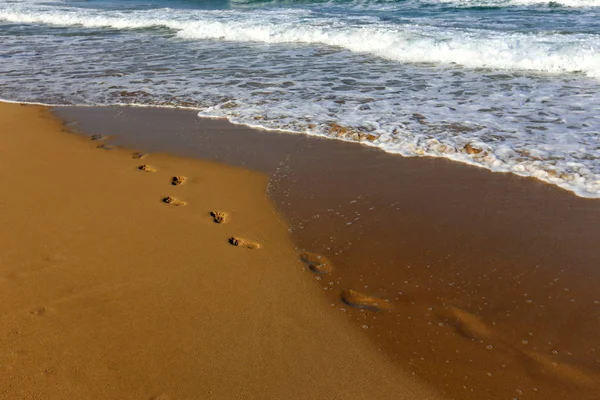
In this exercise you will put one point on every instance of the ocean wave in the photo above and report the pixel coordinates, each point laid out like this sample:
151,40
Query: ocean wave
520,3
408,43
525,104
356,4
387,3
374,4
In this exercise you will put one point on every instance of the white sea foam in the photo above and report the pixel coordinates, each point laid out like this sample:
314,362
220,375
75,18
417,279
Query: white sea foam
472,48
417,44
565,162
508,3
391,4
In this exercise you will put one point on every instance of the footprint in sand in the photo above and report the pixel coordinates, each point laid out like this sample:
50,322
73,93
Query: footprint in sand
105,147
97,137
177,180
465,323
137,155
146,168
359,300
316,263
173,201
543,366
160,397
218,216
538,365
238,242
38,311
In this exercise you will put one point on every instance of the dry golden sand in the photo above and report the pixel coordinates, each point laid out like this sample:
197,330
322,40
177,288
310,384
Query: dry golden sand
106,292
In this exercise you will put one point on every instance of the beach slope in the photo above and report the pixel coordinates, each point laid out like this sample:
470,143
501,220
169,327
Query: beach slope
124,283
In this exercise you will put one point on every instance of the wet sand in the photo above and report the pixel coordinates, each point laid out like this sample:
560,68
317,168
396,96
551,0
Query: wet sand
121,282
482,284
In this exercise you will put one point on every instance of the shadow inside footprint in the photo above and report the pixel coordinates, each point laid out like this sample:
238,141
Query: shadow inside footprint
316,263
97,137
146,168
137,155
238,242
173,201
177,180
105,147
218,216
359,300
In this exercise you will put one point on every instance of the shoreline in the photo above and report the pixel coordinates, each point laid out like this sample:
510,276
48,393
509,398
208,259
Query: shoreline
109,292
344,135
491,275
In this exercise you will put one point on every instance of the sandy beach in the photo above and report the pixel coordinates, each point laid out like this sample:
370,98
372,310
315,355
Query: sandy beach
109,292
485,283
251,264
300,199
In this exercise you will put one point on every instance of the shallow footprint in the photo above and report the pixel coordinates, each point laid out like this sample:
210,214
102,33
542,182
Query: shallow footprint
38,311
97,137
160,397
146,168
316,263
359,300
218,216
105,147
465,323
173,201
137,155
178,180
545,366
239,242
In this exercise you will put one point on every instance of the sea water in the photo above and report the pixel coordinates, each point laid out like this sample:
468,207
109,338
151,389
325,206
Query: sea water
508,85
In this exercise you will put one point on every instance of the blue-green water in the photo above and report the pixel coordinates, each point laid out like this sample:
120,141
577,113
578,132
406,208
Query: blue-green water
517,79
